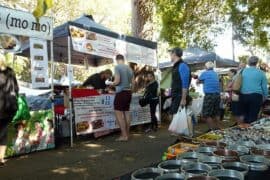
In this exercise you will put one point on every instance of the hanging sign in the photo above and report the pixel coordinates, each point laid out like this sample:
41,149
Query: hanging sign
141,55
23,23
92,43
39,63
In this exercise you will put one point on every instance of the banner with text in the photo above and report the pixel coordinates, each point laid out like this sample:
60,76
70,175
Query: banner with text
97,44
23,23
92,43
96,114
39,63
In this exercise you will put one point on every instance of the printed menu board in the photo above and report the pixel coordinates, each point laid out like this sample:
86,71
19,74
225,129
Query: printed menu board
92,43
97,44
141,55
39,63
95,113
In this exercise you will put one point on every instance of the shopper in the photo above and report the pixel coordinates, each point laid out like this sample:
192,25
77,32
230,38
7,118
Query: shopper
151,95
211,102
253,90
8,103
97,81
181,78
233,99
123,81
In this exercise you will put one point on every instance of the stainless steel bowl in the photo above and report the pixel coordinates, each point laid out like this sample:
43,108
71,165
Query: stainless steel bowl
237,166
255,162
216,144
265,153
206,150
202,178
190,156
213,161
263,147
241,150
196,169
146,174
248,144
227,174
171,176
171,166
226,155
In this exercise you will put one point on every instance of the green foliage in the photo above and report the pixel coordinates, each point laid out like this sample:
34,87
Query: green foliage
243,59
189,22
251,21
192,22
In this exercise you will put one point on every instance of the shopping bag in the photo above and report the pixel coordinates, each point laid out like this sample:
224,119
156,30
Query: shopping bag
23,112
181,123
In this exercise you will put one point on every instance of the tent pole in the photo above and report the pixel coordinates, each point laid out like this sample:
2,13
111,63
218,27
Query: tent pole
159,86
70,100
52,85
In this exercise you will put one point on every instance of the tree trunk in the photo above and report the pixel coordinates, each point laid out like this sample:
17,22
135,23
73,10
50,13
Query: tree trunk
135,20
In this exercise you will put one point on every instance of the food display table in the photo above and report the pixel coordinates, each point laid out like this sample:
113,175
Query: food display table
94,112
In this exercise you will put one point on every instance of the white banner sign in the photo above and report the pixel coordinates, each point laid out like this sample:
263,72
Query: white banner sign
96,114
39,63
23,23
97,44
92,43
141,55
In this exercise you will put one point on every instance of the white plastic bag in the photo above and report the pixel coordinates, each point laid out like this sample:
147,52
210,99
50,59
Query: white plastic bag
181,123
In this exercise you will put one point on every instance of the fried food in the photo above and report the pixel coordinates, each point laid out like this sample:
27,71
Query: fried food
97,124
82,126
91,36
89,47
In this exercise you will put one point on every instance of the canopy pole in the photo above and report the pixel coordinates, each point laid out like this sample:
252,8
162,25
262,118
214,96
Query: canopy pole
52,83
70,98
159,86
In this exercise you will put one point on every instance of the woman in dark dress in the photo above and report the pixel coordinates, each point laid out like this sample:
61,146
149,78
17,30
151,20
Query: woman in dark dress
8,103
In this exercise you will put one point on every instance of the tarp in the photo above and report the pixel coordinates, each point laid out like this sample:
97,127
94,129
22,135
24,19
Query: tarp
198,57
166,77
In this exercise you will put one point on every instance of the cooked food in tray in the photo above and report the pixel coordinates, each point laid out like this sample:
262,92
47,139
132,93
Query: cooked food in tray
91,36
82,126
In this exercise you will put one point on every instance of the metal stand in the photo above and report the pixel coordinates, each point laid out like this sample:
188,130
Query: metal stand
70,98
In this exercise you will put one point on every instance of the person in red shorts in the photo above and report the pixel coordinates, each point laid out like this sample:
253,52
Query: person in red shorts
122,82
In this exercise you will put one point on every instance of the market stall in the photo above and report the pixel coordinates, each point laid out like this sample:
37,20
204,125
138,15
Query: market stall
83,41
17,28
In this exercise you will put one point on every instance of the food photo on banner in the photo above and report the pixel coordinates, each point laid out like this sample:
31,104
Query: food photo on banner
32,128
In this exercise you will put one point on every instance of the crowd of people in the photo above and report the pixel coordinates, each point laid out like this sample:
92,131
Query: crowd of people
247,89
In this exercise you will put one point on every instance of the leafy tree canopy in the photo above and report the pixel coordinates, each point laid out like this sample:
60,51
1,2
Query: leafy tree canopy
190,22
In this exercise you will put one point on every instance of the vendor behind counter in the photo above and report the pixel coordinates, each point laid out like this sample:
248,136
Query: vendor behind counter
97,81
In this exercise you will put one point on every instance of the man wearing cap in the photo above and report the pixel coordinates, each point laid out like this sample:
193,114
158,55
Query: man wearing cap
181,78
211,101
253,91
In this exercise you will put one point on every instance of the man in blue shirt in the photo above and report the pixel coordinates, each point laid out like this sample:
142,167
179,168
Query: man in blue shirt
253,90
211,102
181,78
